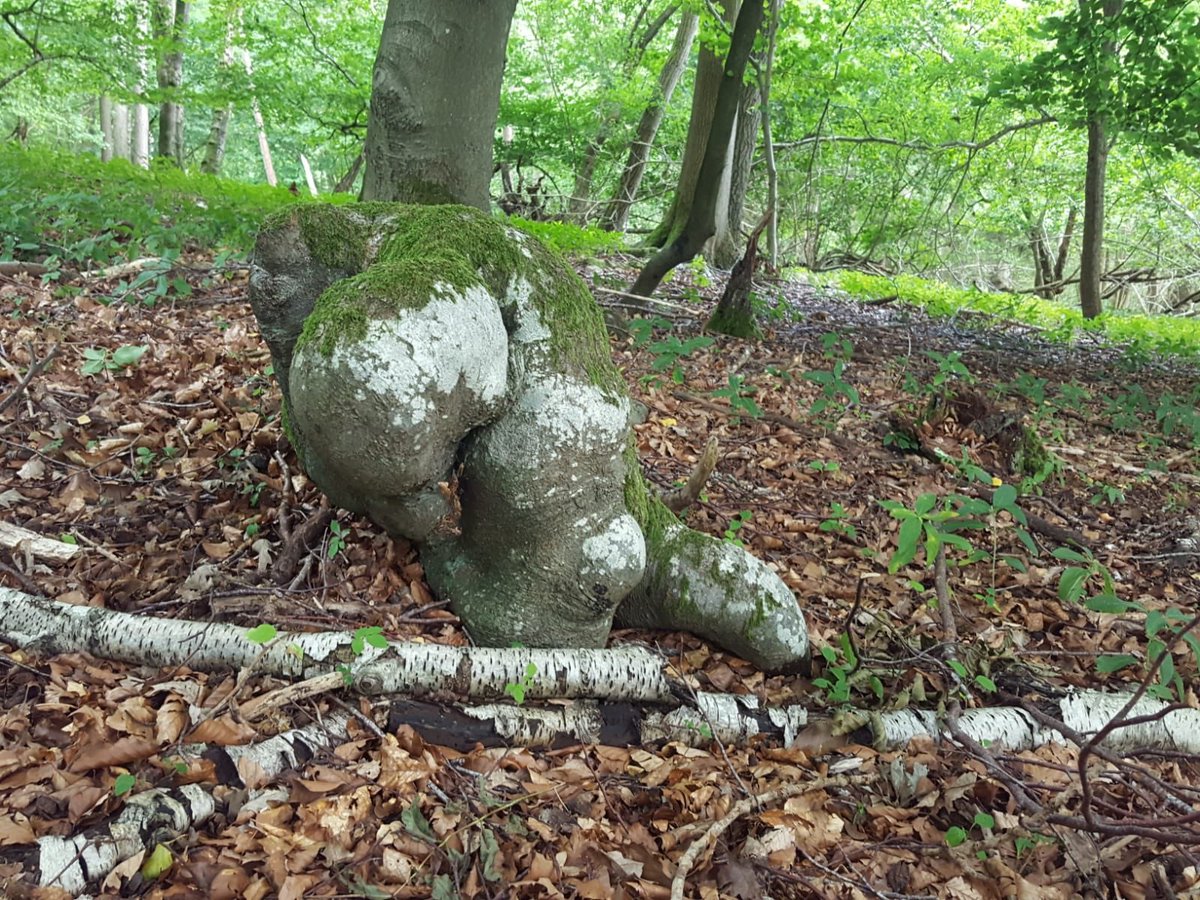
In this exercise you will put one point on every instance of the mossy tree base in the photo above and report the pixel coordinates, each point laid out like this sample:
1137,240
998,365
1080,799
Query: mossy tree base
420,347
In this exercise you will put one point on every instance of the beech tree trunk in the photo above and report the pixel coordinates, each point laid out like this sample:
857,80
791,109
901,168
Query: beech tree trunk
170,22
616,215
700,223
1091,264
106,128
120,127
434,101
700,127
141,112
218,132
264,145
768,140
727,242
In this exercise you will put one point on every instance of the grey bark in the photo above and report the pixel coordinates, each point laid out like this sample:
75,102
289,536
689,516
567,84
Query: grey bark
768,140
704,103
106,128
430,127
616,215
218,132
700,223
120,119
1091,263
728,241
170,22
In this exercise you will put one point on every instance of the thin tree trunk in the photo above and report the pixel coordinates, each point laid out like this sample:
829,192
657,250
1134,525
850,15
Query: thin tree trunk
704,100
616,216
727,242
264,146
1064,247
170,22
106,128
218,132
346,182
430,128
121,145
768,141
699,225
1091,264
141,112
579,206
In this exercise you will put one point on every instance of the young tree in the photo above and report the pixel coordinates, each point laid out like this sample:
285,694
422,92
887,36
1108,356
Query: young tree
436,87
1115,68
170,21
695,227
616,214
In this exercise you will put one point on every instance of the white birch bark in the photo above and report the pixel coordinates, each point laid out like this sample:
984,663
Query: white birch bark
106,128
120,131
308,175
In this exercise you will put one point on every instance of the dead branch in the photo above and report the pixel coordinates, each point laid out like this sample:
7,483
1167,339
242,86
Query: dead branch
680,498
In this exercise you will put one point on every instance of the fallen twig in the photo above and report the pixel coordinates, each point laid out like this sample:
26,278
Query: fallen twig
35,367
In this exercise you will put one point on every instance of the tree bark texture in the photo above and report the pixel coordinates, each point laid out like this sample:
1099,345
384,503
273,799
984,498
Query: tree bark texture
141,112
430,127
218,132
1091,263
700,126
170,21
616,215
727,242
700,222
106,128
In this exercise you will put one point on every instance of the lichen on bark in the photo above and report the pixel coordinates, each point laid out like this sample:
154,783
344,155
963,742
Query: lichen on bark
420,346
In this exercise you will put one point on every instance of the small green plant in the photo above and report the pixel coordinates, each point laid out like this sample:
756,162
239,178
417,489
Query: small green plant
100,359
837,394
824,465
368,634
739,395
123,784
838,522
955,836
836,347
735,526
518,689
1106,494
337,539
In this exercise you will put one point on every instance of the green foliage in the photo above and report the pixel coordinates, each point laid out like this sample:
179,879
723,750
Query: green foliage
1160,334
518,689
568,238
77,210
337,539
735,525
101,359
124,784
837,522
739,394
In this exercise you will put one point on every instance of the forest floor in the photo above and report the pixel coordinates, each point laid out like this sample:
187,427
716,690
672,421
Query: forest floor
165,469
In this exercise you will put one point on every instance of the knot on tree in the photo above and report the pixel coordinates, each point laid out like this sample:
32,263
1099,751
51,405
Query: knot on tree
438,364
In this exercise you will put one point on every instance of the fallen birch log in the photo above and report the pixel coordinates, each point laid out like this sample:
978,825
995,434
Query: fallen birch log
14,537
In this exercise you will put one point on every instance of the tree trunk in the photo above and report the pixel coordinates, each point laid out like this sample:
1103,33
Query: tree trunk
141,112
616,216
106,128
346,183
264,145
1091,264
430,127
704,101
580,205
727,242
1064,247
120,127
218,132
768,140
700,222
170,22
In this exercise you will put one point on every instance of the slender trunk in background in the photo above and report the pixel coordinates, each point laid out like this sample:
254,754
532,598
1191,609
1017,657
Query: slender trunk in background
264,146
170,21
120,130
218,132
704,100
727,242
579,206
346,182
616,215
1091,263
768,141
1064,248
106,128
431,128
141,112
308,175
699,225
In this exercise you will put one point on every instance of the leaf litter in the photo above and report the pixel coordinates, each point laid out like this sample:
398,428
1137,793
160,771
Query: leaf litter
167,465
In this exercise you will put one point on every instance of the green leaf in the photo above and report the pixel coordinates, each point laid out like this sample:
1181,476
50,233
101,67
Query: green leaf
416,824
1156,621
984,820
1070,584
489,855
906,546
1107,603
1114,662
128,355
985,684
1004,497
959,669
1069,555
925,503
261,634
124,784
157,863
955,836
